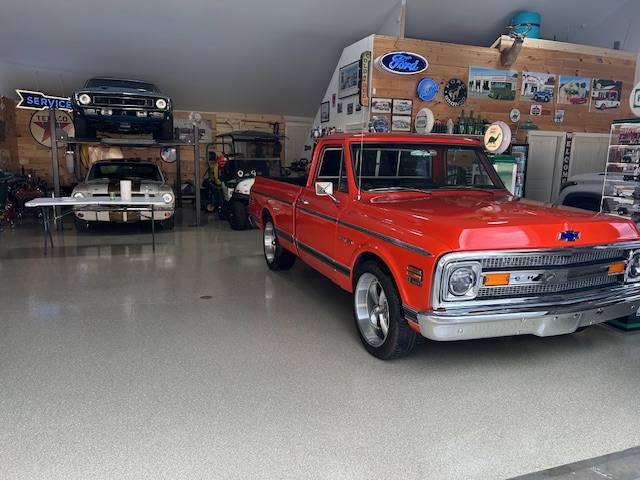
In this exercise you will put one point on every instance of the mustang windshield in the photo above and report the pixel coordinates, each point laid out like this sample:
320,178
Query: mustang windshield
397,167
125,171
126,84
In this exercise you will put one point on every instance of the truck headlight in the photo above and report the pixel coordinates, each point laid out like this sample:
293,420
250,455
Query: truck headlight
84,99
161,103
461,281
78,195
167,197
633,268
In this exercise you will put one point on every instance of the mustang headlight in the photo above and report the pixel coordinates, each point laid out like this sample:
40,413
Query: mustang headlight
167,197
84,99
633,267
461,281
161,103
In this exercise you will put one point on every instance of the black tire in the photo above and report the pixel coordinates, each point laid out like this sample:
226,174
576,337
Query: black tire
81,128
238,215
223,211
169,223
165,132
81,225
400,338
281,258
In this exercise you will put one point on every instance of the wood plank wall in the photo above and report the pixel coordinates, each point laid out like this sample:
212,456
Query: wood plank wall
34,157
8,145
447,61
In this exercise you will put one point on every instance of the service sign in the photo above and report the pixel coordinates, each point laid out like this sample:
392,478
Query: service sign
39,101
402,63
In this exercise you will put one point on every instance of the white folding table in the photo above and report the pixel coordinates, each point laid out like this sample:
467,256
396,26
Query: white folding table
95,204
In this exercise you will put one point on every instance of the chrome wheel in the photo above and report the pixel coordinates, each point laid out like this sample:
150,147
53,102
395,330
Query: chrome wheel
372,309
270,242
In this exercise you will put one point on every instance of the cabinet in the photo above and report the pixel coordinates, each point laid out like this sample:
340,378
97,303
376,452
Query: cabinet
621,187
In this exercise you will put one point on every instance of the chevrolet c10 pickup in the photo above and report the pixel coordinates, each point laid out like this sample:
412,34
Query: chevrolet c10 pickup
422,232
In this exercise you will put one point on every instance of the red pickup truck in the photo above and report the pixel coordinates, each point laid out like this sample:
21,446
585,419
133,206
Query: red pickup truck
424,234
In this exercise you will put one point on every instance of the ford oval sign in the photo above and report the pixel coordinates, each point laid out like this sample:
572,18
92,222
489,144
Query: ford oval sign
402,63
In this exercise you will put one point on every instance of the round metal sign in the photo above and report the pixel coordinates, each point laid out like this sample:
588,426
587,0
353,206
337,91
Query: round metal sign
497,138
427,89
455,92
168,154
424,121
380,124
41,130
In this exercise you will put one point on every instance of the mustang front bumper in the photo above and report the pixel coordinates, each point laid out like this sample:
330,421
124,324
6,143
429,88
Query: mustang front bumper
543,321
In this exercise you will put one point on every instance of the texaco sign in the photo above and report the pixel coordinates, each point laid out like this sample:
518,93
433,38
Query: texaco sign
41,130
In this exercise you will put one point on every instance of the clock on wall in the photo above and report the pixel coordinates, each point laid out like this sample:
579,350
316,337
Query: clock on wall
455,92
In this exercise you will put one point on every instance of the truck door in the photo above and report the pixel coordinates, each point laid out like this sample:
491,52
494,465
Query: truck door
316,215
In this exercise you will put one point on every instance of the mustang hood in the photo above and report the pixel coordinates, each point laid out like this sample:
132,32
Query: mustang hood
106,186
487,220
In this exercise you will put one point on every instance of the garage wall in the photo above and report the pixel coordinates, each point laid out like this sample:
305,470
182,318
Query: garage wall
448,61
8,143
34,157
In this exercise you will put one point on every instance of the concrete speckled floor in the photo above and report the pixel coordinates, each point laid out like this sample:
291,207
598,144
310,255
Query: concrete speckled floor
113,366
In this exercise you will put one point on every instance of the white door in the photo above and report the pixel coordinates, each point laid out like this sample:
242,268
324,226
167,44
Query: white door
544,165
297,131
588,153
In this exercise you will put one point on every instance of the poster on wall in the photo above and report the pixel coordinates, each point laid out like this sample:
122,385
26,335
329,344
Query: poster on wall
605,94
380,105
573,90
402,106
492,84
348,80
401,123
324,112
537,87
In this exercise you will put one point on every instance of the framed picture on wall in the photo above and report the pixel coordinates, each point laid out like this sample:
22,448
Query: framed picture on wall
402,106
574,90
401,123
348,80
605,95
380,105
324,111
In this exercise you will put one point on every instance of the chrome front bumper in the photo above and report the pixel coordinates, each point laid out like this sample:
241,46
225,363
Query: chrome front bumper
543,321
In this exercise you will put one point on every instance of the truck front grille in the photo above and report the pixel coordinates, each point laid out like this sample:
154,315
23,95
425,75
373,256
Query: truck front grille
572,257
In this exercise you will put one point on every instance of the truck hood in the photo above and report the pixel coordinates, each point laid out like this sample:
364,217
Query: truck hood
494,220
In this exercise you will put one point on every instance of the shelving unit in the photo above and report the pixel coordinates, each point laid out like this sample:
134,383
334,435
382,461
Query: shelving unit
621,186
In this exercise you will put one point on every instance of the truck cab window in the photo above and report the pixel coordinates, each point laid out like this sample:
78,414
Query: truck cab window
464,169
333,169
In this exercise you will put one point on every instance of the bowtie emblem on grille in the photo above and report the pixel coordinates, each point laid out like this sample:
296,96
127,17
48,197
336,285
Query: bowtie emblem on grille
569,236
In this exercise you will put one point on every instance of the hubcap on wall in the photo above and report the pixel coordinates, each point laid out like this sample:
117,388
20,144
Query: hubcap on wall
269,237
372,309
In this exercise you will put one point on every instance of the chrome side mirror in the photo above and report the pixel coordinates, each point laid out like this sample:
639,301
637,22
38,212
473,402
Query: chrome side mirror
325,189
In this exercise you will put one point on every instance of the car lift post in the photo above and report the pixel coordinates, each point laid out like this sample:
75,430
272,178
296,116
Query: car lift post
196,170
178,178
55,167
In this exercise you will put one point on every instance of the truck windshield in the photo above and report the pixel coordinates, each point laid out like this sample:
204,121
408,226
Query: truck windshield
126,84
125,171
425,167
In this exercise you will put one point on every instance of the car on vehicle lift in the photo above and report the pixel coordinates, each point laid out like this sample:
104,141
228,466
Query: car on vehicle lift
248,153
121,105
103,180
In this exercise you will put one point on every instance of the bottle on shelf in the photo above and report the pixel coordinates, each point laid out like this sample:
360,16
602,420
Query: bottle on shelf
469,127
450,126
461,123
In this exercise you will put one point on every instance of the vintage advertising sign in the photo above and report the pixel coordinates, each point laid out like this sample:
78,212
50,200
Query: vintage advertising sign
363,88
497,138
427,89
40,127
39,101
402,63
566,159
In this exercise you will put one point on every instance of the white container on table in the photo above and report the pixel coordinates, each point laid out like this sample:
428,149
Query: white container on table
125,190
